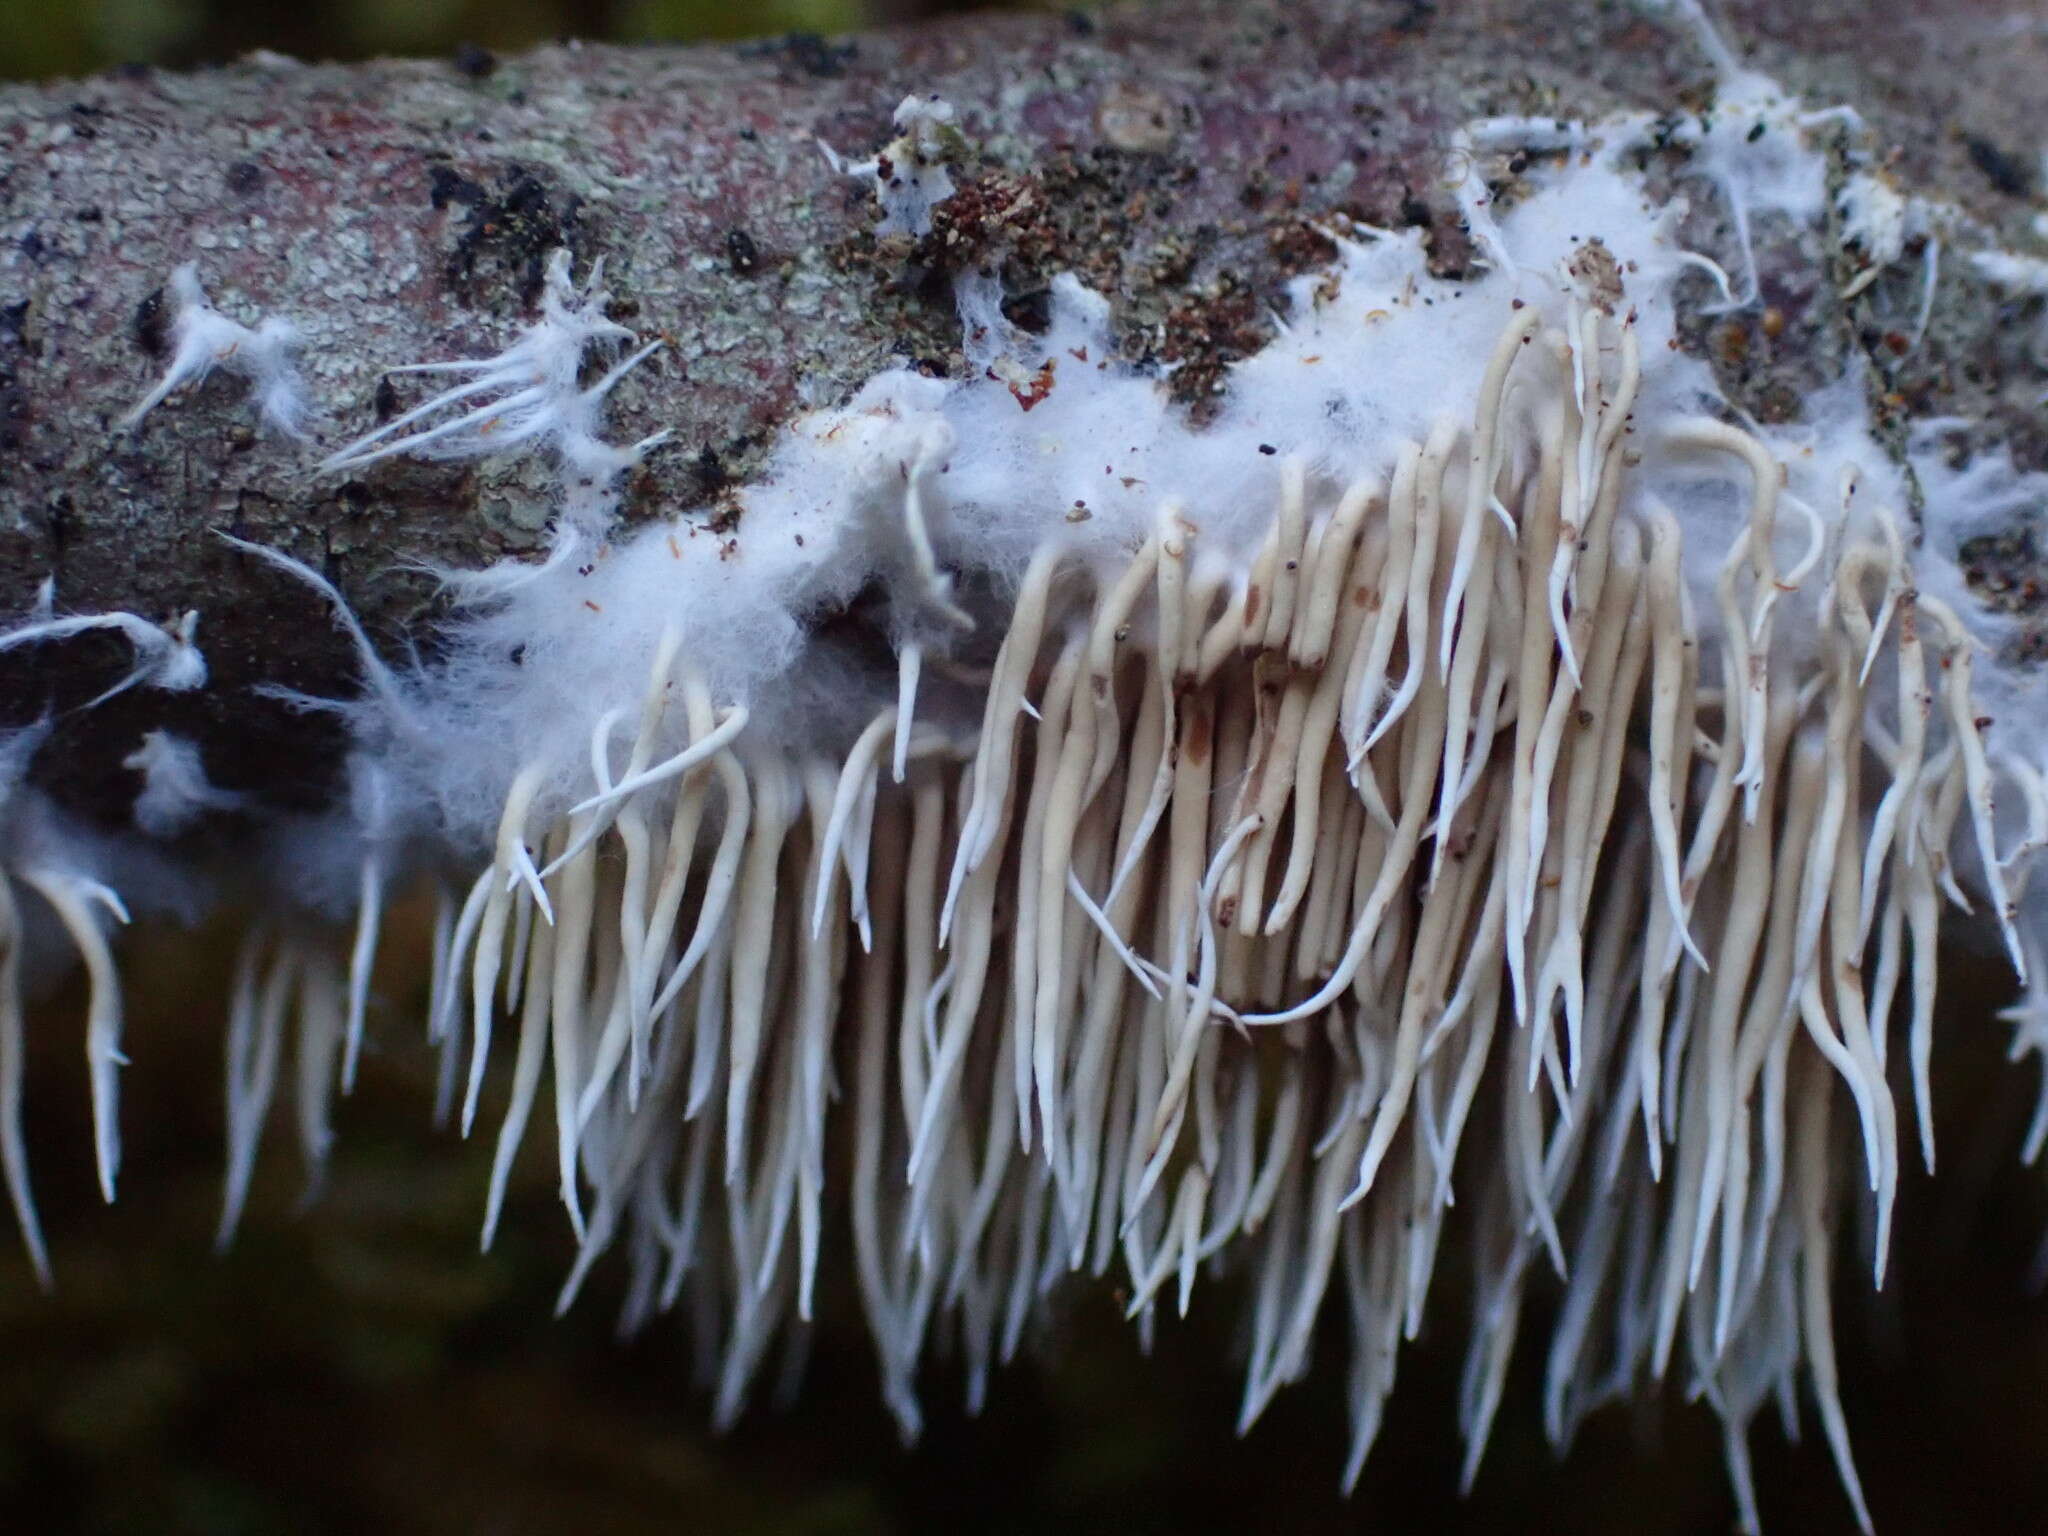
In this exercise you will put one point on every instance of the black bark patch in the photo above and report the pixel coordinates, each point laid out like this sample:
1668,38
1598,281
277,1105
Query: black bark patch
447,185
14,410
152,325
2006,172
514,230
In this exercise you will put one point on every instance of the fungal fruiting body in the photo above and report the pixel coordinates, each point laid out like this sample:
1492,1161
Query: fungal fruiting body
1475,765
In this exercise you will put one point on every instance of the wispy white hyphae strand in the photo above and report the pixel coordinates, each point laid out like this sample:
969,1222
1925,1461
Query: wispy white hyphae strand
529,395
166,655
202,339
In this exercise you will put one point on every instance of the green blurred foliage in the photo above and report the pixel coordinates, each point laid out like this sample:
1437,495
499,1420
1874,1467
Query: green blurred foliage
49,38
684,20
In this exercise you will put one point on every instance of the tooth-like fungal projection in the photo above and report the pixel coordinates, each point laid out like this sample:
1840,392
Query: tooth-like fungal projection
1474,793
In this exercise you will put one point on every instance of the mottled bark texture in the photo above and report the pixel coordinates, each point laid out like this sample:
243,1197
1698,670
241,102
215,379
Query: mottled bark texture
1176,157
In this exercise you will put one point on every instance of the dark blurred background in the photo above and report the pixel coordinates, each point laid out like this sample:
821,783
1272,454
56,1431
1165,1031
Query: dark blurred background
353,1365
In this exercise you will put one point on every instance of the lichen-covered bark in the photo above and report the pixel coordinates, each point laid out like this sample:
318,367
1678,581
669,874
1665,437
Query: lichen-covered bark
1178,158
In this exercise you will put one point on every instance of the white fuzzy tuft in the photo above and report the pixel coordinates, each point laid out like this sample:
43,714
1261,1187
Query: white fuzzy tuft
166,655
528,396
203,339
175,789
910,173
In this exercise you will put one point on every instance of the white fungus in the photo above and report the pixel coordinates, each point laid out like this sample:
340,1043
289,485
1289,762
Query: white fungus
175,789
911,173
166,655
203,339
529,395
1477,736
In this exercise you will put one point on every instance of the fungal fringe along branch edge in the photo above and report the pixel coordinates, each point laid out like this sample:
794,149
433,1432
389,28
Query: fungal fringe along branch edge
1476,764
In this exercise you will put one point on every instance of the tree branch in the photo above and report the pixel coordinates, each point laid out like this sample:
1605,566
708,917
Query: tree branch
1178,159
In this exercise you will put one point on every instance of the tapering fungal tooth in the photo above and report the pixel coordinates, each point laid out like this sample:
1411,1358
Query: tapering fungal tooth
774,812
726,867
71,897
820,958
1444,910
322,1024
1312,789
13,1153
1361,712
993,764
1393,869
1192,1026
850,793
1432,534
1106,638
1462,679
909,669
1613,673
1089,746
1969,738
1815,1201
1269,786
1329,583
1766,478
362,960
1560,738
490,930
1541,532
255,1041
938,587
1059,725
958,992
1522,324
1602,410
1673,666
441,965
575,927
1290,544
734,721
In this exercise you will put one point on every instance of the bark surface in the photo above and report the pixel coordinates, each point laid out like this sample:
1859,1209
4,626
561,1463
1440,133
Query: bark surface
1178,158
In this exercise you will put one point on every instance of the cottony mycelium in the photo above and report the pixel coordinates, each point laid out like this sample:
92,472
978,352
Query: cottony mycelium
1475,781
